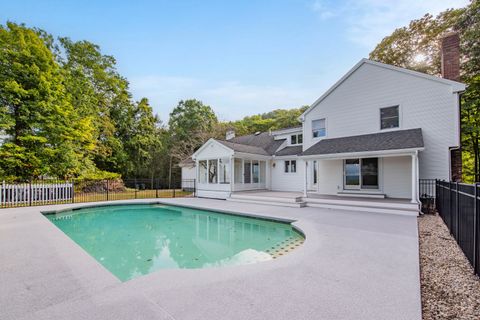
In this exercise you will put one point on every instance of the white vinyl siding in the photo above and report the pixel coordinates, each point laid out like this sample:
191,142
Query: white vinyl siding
353,109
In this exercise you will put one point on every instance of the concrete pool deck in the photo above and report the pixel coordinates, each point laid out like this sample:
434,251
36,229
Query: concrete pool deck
353,265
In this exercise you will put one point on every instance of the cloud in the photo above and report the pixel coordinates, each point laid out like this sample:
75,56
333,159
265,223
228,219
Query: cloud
368,21
231,100
322,10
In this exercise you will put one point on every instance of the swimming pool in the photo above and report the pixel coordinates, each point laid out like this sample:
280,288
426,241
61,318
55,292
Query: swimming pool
134,240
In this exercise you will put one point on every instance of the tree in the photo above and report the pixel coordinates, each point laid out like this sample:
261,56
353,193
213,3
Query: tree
416,47
421,39
144,140
99,92
273,120
45,135
191,123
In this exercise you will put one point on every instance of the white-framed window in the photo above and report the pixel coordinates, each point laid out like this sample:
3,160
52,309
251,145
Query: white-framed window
224,170
212,171
202,171
319,128
290,166
296,139
389,117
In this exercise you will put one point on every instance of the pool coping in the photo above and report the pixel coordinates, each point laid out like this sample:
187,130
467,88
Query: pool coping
159,289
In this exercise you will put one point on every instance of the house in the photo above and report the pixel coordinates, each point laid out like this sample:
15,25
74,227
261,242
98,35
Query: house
374,133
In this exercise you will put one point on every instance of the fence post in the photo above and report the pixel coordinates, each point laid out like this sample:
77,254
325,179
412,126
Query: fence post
30,193
156,187
174,186
107,189
457,209
475,229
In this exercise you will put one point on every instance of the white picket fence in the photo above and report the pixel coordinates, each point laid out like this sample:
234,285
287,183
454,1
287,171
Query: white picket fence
17,194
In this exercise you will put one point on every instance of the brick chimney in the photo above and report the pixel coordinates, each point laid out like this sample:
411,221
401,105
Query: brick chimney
230,134
451,56
450,46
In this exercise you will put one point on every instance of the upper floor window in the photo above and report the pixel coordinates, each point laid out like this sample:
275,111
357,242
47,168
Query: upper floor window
296,139
389,118
318,128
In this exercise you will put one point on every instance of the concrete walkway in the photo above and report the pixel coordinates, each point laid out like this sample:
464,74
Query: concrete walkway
353,265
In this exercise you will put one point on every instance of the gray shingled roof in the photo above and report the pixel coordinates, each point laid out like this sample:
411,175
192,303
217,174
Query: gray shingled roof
244,148
262,144
289,151
391,140
188,162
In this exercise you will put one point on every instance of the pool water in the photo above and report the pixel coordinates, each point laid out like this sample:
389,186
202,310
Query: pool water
134,240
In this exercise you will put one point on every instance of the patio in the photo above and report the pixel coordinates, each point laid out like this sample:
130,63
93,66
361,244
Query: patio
353,265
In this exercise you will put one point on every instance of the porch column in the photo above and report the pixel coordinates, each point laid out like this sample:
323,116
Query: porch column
232,173
305,184
414,177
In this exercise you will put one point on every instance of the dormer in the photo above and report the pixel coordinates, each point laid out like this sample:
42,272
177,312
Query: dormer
292,136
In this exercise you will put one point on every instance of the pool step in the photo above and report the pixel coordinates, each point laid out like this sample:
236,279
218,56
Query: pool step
284,247
271,202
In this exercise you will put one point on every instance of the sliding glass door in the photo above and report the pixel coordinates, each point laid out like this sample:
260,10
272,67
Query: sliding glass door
369,173
352,174
361,173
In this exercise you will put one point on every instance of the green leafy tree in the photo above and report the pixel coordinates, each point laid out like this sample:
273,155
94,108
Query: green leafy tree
98,91
45,135
415,46
144,141
421,39
191,123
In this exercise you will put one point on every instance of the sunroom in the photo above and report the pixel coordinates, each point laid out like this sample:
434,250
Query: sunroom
224,167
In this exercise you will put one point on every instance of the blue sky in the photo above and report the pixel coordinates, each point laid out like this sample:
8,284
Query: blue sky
239,57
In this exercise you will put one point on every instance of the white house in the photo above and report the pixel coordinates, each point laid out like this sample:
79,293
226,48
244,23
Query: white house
374,133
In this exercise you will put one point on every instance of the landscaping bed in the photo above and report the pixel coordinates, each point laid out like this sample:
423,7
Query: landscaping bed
450,290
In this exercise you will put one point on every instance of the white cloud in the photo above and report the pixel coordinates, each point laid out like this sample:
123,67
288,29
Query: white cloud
231,100
368,21
322,9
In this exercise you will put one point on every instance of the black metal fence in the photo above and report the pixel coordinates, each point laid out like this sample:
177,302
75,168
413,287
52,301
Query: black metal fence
458,205
427,195
50,191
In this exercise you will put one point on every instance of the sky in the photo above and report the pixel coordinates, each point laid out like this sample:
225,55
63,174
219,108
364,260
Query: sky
240,57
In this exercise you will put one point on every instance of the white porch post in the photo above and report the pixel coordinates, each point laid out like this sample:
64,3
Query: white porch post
232,173
414,177
305,171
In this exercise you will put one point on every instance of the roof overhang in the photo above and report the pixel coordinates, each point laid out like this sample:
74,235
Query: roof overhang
366,154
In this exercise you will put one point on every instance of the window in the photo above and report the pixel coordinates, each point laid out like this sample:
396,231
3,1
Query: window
247,174
318,128
315,172
370,173
290,166
263,171
296,139
361,173
255,171
212,171
238,171
352,173
224,170
389,118
202,171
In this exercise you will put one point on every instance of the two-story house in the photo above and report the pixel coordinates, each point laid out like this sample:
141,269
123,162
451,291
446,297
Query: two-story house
374,133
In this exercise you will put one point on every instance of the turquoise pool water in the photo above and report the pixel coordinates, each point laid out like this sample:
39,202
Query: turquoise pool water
134,240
